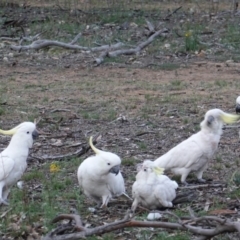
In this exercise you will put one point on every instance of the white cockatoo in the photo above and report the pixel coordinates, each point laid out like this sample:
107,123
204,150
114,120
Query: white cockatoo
13,159
99,176
152,189
238,105
194,153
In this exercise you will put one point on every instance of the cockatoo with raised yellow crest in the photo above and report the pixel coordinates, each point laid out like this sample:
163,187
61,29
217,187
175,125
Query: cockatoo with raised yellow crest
99,176
13,160
152,189
194,153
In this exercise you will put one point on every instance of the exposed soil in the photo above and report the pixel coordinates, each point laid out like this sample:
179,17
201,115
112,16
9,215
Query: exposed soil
145,134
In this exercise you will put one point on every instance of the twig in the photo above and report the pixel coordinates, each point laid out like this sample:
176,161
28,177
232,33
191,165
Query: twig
75,39
21,39
170,214
5,213
170,14
184,197
60,110
30,39
150,27
202,186
191,213
9,39
143,133
77,153
74,217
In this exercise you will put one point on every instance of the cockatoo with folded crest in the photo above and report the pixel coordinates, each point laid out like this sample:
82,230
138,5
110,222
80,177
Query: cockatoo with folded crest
238,105
13,160
152,189
194,153
99,176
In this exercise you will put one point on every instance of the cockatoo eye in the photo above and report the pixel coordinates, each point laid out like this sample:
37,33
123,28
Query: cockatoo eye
144,169
27,132
109,164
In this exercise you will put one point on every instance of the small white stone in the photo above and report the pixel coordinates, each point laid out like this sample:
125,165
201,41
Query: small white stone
10,54
229,61
91,209
153,216
5,59
20,184
167,45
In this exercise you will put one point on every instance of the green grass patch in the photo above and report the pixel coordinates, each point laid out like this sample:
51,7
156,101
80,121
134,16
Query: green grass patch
129,162
46,193
232,36
221,83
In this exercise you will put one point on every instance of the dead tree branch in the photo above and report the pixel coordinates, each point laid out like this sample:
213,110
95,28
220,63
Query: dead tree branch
24,38
75,39
111,50
169,15
163,32
206,227
38,44
150,27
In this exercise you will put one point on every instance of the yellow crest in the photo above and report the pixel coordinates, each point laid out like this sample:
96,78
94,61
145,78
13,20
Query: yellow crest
158,170
92,146
9,132
229,118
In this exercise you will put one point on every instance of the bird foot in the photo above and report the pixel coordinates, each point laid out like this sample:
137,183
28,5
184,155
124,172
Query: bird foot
184,183
201,180
2,201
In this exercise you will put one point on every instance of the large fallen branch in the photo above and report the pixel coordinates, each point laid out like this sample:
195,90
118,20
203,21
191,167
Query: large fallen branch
131,51
111,50
206,227
38,44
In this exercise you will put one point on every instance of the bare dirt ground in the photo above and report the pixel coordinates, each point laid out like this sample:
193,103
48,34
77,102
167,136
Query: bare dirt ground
140,114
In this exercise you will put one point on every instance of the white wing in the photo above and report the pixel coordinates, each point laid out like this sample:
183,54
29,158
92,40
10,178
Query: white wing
6,166
86,171
184,154
165,191
143,193
116,184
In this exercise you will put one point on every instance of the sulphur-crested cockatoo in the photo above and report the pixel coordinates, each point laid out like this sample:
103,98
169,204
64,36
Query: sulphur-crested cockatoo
193,154
152,189
13,160
99,176
238,105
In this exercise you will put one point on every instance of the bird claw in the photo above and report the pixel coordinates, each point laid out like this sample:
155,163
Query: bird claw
185,183
4,202
201,180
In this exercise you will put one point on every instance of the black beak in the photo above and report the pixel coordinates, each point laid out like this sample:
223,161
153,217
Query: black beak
210,120
115,170
237,108
35,134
